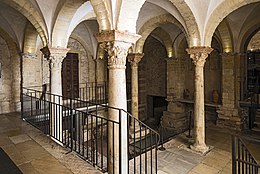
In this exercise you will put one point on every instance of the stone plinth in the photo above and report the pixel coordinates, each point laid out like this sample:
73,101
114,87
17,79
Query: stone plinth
175,122
229,118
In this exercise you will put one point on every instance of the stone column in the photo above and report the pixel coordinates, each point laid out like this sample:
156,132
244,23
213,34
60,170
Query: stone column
117,44
134,59
56,57
198,56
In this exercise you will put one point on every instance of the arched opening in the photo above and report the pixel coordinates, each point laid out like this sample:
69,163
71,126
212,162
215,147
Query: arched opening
153,81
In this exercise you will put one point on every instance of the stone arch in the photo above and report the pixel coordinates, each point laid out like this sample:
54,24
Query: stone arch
254,43
128,15
247,35
193,33
150,25
226,37
27,9
101,9
180,44
11,75
84,13
117,15
166,40
64,16
224,9
85,45
30,39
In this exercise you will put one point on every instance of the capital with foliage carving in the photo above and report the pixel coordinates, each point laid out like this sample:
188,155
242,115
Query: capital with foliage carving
56,57
134,58
117,52
116,43
199,54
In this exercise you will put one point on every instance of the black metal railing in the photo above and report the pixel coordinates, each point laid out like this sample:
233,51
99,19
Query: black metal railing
242,160
86,128
95,92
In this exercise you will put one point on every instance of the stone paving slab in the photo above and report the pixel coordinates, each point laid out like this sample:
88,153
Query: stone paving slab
35,153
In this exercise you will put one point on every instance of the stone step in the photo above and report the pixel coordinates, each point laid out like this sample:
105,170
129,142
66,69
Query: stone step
257,124
256,129
257,119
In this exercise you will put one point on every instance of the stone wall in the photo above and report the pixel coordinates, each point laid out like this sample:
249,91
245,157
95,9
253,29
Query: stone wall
152,74
10,78
254,43
32,70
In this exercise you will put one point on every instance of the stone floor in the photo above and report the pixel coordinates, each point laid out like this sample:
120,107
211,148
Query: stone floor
179,159
34,152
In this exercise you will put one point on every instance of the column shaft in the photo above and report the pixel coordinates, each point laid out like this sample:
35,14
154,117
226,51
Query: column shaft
56,57
199,55
116,44
134,59
199,117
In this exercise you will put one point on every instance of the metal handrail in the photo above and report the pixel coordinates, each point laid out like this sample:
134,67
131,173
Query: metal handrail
74,124
242,160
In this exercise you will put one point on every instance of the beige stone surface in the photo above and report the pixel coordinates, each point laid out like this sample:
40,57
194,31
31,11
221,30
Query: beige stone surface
34,152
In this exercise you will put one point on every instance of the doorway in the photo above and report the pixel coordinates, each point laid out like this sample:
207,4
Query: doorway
70,76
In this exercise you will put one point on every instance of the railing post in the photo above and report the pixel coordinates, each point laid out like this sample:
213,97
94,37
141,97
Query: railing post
234,167
22,104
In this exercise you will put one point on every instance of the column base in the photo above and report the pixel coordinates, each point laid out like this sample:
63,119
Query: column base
200,148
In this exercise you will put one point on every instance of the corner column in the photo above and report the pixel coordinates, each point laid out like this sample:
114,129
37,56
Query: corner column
117,44
199,56
56,57
134,59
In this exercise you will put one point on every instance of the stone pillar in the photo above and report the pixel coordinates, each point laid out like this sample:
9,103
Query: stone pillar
198,56
175,119
56,57
134,59
228,115
117,44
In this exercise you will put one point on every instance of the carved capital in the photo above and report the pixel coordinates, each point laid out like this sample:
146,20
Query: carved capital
117,52
116,43
56,57
134,58
199,54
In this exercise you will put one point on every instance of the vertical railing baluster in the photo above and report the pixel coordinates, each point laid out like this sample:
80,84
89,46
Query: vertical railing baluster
101,142
128,131
140,134
96,141
238,154
134,144
145,147
151,150
113,147
120,139
242,145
